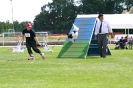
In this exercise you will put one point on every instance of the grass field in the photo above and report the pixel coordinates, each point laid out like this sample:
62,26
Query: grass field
115,71
50,38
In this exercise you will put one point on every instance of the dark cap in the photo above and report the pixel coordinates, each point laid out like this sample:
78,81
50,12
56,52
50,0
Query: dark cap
100,15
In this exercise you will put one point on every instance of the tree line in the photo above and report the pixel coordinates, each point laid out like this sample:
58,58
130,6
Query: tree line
58,16
18,26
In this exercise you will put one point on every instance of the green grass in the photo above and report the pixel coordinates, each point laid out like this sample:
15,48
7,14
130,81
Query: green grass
77,50
115,71
50,38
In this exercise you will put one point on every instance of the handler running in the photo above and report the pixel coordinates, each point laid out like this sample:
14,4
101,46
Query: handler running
31,41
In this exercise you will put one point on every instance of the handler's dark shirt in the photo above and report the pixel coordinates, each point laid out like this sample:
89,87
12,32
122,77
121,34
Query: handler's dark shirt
29,34
122,41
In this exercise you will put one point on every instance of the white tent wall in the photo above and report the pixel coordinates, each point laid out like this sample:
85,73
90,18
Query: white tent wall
117,21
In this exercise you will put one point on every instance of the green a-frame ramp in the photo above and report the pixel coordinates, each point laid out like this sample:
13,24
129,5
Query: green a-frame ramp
84,45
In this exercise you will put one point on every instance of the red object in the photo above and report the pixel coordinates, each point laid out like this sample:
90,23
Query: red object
29,25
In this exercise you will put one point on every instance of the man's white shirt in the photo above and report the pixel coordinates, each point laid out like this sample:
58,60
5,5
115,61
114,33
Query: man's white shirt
105,27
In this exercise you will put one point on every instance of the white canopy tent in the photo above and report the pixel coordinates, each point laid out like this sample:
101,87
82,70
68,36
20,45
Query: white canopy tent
117,21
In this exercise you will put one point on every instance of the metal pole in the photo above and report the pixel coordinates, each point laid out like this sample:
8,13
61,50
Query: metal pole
3,38
128,31
125,31
12,15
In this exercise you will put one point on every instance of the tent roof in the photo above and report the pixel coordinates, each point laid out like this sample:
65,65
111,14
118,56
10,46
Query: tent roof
117,21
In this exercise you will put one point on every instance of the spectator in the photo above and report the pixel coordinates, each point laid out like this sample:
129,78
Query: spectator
117,45
122,43
126,41
130,42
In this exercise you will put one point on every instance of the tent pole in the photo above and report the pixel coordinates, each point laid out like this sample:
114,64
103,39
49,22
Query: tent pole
125,31
128,31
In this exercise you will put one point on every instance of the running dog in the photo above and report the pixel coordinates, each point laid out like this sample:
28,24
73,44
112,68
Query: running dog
74,34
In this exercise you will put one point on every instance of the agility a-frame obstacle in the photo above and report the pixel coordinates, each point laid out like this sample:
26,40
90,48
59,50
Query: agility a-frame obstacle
85,44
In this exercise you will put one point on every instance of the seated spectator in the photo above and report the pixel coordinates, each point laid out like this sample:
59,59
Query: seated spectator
117,45
122,43
126,41
130,42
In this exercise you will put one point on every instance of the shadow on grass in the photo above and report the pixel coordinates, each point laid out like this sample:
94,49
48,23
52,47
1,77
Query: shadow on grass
120,49
88,57
93,57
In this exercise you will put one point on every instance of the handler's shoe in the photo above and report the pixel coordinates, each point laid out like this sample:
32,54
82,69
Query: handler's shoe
43,56
31,58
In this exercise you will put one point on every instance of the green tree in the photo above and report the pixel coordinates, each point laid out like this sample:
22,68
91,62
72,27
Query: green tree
57,16
18,27
2,24
101,6
22,25
128,4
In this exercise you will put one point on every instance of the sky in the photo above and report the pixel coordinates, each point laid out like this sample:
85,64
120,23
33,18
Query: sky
23,10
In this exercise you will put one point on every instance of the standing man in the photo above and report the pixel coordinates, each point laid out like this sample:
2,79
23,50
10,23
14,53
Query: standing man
31,41
101,33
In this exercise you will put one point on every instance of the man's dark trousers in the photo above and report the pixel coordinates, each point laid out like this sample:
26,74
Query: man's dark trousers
102,44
